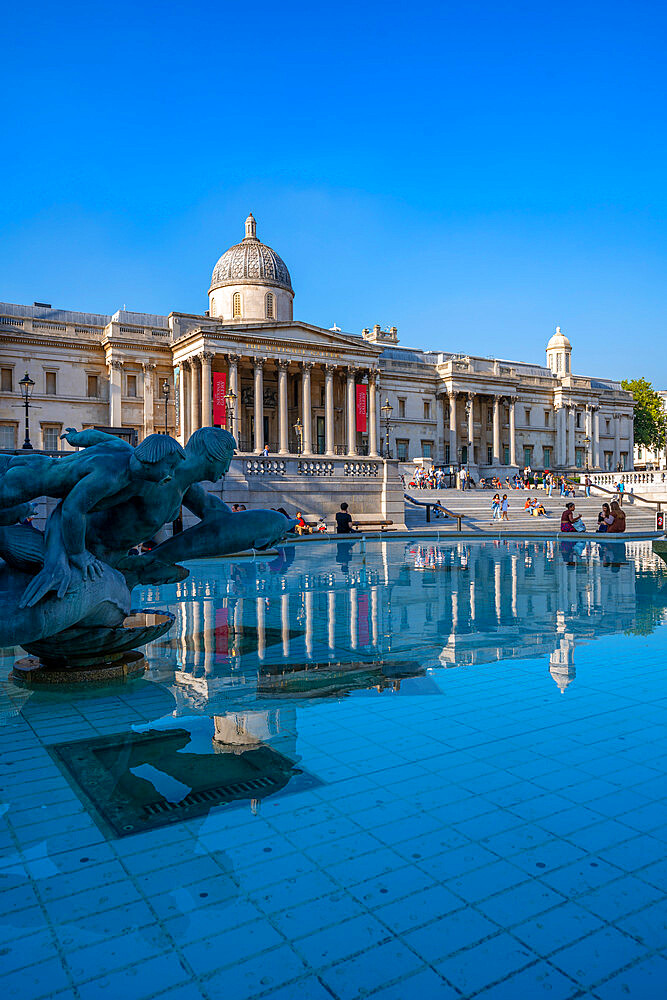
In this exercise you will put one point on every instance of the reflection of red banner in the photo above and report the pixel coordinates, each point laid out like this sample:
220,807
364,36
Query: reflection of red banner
362,409
362,604
221,633
219,402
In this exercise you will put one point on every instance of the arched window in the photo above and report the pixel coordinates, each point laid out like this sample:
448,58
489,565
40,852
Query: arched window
270,309
237,305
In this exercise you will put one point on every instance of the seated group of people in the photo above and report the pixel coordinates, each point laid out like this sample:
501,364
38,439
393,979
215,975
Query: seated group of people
611,519
536,507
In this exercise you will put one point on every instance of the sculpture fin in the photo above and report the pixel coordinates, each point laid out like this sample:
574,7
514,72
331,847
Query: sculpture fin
22,547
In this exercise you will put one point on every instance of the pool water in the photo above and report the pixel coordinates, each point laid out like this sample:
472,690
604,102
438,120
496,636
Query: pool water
389,768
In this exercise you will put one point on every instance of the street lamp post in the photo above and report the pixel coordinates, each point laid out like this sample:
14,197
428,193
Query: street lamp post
166,389
387,411
298,430
230,401
27,385
587,444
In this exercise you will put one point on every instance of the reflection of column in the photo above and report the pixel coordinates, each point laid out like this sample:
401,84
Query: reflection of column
209,637
570,436
354,615
308,601
195,395
453,444
206,415
455,611
496,430
331,607
234,387
497,589
471,428
374,615
515,584
512,422
351,413
473,606
197,639
149,398
259,405
115,393
372,414
261,629
306,408
283,448
329,409
284,623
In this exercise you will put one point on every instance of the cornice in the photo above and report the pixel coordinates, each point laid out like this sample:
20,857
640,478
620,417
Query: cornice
77,345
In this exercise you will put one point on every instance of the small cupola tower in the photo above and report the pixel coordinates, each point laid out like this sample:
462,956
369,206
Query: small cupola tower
559,354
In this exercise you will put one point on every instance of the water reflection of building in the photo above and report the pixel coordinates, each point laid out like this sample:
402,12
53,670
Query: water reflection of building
382,610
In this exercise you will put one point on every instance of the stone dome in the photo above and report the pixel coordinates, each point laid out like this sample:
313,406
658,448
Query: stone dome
559,340
251,262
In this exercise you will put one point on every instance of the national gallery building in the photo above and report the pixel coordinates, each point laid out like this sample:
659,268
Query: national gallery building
299,389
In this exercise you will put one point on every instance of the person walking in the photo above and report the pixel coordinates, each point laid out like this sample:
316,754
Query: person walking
550,483
588,483
495,506
504,507
621,491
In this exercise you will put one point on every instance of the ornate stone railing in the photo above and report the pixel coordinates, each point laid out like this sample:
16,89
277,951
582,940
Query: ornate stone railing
264,467
305,467
610,479
319,466
368,469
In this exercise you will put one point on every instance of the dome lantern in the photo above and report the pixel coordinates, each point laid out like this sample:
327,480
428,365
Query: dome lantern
559,354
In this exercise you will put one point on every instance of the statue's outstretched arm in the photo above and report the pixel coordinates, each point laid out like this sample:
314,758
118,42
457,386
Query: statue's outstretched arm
80,501
201,503
56,573
87,438
17,513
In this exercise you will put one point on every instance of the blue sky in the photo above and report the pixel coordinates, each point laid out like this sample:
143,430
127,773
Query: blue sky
474,174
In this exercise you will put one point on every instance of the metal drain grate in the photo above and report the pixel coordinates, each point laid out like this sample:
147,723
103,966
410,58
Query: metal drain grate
212,796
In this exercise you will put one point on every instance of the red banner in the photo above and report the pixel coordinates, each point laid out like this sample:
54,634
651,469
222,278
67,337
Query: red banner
362,408
221,633
219,402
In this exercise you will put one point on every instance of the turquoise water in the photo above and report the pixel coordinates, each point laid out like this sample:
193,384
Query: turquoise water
386,768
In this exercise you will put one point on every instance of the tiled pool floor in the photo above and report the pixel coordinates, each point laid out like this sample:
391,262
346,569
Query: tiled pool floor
474,833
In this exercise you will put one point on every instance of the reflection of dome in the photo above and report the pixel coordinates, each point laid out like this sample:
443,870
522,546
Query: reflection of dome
559,340
251,262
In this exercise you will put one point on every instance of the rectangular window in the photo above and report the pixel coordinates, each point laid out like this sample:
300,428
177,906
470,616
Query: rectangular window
427,410
577,419
7,435
506,455
608,459
402,450
51,438
579,457
547,418
608,423
464,454
447,454
427,449
527,417
6,379
401,407
527,454
50,383
131,385
546,453
93,385
489,416
489,455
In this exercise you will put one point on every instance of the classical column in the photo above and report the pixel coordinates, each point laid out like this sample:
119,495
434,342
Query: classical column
283,440
631,442
206,415
560,435
596,437
453,443
233,386
306,408
617,440
512,423
570,435
372,414
259,405
496,430
195,394
329,409
149,398
115,393
180,404
351,413
471,429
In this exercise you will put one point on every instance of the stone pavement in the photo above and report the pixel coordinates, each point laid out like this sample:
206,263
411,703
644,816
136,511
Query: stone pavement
475,505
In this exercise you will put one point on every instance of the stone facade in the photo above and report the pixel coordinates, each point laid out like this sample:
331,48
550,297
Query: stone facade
295,384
